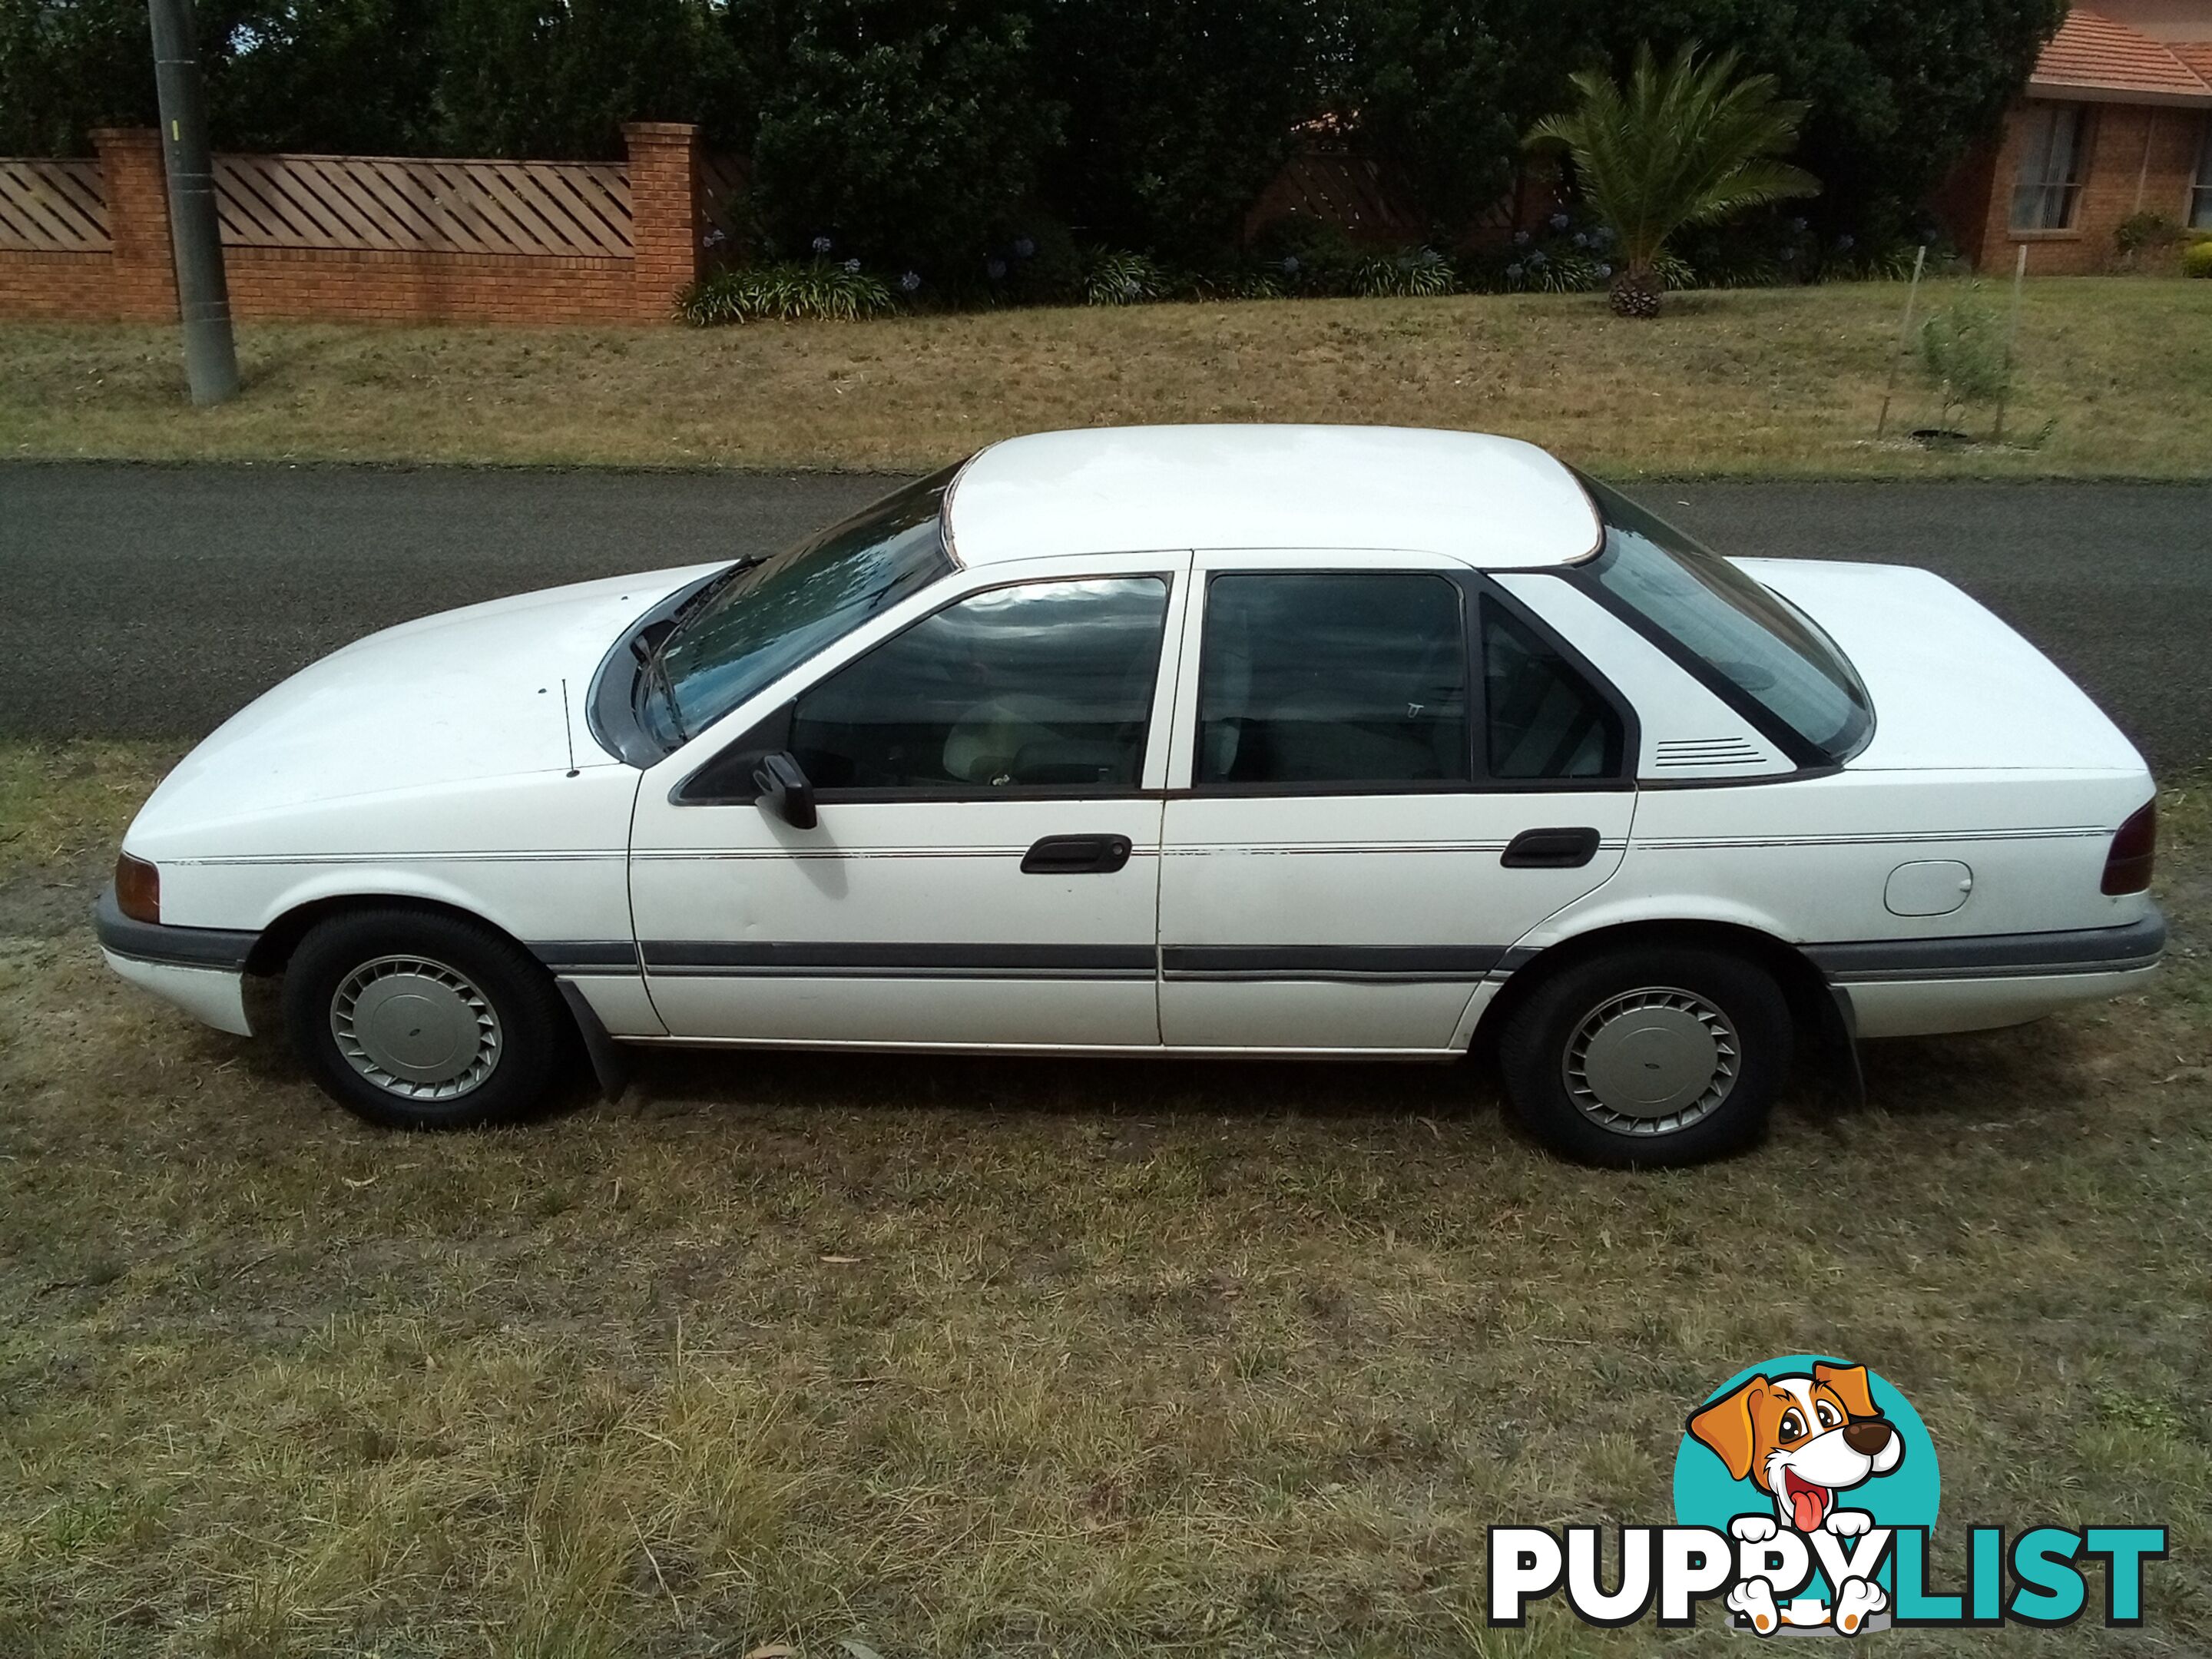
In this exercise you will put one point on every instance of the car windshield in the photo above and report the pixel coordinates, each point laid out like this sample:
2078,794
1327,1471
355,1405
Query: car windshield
773,615
1749,636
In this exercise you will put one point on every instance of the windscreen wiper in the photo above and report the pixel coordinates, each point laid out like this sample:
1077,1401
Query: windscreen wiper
646,645
707,590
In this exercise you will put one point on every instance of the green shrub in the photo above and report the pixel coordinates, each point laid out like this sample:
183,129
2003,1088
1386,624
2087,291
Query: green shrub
818,292
1962,352
1412,273
2146,230
1116,276
1237,285
2197,259
1310,256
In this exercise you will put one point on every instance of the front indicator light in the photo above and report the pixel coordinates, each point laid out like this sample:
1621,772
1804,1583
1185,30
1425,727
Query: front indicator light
137,889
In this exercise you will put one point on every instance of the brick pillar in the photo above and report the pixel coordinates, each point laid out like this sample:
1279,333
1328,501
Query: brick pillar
665,222
137,194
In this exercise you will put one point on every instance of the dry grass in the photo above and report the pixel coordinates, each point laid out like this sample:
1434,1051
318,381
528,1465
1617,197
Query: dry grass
998,1357
1781,381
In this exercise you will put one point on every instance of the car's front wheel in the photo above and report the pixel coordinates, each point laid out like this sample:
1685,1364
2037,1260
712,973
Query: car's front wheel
1648,1056
416,1019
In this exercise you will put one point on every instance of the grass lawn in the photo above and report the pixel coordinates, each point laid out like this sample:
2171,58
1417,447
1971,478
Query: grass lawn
1754,381
964,1357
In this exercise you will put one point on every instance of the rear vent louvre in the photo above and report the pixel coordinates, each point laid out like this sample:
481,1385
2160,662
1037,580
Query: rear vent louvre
1684,754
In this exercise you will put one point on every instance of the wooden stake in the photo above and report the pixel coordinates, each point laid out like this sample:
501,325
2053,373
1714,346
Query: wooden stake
1904,341
2012,333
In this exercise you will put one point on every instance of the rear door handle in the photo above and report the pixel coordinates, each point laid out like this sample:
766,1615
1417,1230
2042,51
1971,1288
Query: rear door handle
1076,855
1551,849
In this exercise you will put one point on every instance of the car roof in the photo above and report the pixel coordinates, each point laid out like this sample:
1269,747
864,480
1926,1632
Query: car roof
1497,503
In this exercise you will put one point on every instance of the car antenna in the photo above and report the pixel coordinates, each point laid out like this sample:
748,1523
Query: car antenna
567,731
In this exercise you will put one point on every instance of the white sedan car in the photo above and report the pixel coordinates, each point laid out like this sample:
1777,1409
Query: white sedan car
1237,741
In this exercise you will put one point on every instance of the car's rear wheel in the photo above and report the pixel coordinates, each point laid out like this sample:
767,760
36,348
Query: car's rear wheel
415,1019
1648,1056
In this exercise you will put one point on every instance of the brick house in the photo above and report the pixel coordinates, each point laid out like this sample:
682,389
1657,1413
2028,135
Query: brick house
2116,120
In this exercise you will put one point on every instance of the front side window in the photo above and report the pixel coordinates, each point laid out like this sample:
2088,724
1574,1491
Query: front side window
765,619
1543,718
1047,684
1333,679
2048,182
1763,649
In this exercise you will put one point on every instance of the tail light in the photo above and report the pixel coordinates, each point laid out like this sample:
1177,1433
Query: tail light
137,889
2134,849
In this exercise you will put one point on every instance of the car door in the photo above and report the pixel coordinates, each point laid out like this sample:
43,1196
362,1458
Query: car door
983,866
1385,773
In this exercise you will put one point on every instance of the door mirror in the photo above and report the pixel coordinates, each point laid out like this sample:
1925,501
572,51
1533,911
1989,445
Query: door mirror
785,791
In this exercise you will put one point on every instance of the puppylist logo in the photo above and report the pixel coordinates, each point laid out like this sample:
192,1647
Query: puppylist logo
1805,1489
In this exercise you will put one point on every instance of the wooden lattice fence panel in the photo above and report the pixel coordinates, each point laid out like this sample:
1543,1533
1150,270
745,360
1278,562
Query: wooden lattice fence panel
53,206
723,181
387,204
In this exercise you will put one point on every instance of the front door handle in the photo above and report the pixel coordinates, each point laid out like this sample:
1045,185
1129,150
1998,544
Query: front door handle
1551,849
1076,855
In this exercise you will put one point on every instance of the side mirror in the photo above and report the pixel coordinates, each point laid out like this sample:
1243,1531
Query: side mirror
784,789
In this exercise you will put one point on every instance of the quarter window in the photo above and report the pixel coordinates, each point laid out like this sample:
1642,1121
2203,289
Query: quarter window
1544,720
1048,684
2048,182
1324,678
1763,649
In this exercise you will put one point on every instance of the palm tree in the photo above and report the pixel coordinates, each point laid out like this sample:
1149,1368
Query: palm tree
1687,144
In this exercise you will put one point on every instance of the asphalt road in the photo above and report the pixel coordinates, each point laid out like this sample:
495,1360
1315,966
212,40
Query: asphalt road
152,601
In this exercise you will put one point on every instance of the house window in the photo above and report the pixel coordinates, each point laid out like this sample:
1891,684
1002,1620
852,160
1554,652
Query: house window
2053,139
2200,199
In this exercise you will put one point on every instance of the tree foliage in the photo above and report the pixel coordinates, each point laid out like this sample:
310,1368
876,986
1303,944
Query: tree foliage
1176,115
1690,142
930,130
1441,90
527,77
905,132
1895,90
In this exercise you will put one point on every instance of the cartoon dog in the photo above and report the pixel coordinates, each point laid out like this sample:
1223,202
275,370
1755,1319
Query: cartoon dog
1801,1440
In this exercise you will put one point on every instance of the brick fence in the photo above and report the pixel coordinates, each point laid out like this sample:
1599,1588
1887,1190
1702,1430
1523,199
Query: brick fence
363,239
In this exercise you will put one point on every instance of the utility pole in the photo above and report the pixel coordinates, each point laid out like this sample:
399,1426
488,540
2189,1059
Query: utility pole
203,295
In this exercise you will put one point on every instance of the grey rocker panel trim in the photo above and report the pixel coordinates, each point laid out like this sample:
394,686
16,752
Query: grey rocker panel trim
900,960
1389,964
707,958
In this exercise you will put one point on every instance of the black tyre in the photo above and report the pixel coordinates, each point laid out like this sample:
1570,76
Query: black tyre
415,1019
1648,1057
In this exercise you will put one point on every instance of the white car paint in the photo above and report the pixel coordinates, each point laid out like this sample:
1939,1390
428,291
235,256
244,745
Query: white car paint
1494,503
451,761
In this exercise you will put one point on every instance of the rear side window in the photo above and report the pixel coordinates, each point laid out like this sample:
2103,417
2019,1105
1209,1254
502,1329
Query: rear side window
1045,685
1326,679
1543,718
1761,653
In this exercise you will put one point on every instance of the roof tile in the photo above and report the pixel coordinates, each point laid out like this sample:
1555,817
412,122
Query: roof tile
2092,51
2196,55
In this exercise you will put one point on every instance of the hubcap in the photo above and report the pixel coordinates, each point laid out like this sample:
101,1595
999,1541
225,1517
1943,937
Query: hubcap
1651,1061
416,1028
